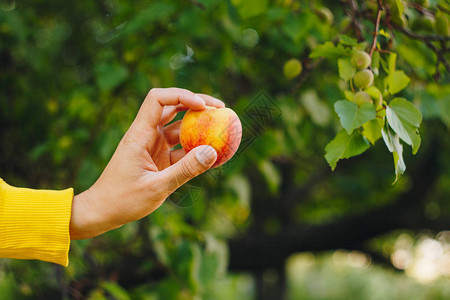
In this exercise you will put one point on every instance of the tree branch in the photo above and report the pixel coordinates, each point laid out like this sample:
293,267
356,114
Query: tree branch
427,39
376,28
422,37
198,4
353,14
439,58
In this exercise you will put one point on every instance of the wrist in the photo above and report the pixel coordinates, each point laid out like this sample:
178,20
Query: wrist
82,225
88,218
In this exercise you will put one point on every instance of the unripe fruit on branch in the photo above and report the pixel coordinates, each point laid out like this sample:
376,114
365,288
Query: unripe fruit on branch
325,14
441,24
363,79
423,24
360,60
375,94
362,97
292,68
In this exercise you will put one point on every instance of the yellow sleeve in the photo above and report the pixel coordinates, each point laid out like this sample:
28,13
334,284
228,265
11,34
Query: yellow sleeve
34,224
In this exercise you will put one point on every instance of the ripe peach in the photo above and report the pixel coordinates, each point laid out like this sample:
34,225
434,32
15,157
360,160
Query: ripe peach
219,128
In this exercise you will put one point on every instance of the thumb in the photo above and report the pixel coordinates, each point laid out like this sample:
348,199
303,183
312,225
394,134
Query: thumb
197,161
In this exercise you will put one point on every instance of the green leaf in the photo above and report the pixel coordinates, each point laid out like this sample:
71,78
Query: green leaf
405,119
400,7
110,75
186,260
158,239
328,50
153,12
397,81
346,40
318,110
271,175
297,26
352,116
250,8
345,146
375,94
348,95
392,141
214,259
375,62
372,130
384,64
384,33
413,55
391,63
346,69
115,290
240,185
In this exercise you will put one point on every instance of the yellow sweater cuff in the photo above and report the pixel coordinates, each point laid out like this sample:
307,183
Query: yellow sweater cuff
34,224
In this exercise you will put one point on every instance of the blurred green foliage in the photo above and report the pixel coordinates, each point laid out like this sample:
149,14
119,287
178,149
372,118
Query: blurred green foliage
74,73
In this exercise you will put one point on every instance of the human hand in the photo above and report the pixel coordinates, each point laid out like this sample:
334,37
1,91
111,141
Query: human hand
144,170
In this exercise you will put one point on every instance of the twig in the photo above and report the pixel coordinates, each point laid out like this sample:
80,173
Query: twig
388,21
376,28
421,9
440,58
198,4
354,14
416,36
443,9
308,67
383,51
427,39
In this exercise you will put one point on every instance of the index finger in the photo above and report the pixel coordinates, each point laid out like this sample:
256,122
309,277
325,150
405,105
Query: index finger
211,101
151,110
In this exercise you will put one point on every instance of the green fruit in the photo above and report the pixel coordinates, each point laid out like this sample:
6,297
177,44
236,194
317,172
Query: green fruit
325,14
292,68
423,24
441,24
360,60
363,79
345,23
65,142
362,97
375,94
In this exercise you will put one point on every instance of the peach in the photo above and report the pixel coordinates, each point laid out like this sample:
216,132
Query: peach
219,128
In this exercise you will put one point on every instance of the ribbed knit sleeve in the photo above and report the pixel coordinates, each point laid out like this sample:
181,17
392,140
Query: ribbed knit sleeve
34,224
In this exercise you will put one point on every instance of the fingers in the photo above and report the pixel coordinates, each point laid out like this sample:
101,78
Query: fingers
150,113
191,165
172,133
169,112
211,101
176,155
153,111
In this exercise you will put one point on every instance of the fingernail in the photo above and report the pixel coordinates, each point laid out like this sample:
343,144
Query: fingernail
220,101
206,155
200,99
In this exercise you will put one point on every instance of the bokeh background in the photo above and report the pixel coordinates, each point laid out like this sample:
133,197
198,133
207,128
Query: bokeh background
273,223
